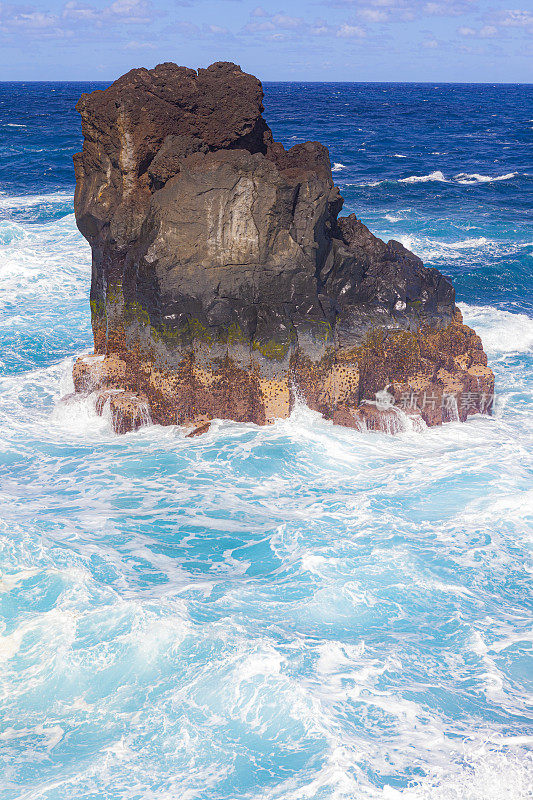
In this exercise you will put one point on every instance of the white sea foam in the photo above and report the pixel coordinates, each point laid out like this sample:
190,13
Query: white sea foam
468,244
46,261
484,774
337,167
465,178
433,176
399,215
9,231
437,176
29,201
431,249
501,331
346,515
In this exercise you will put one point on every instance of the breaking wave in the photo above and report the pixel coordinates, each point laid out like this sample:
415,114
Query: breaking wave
476,178
500,331
484,773
433,176
8,202
437,176
432,249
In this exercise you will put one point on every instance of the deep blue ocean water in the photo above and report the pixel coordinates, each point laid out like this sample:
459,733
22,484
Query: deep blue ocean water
298,612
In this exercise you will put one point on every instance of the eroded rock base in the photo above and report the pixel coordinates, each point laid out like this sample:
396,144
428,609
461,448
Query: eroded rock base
431,375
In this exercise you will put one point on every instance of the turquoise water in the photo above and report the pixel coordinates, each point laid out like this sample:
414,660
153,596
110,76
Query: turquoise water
298,612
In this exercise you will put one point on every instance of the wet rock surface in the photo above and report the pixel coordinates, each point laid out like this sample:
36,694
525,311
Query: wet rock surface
224,281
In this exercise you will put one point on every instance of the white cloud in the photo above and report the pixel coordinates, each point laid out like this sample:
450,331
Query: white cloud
320,28
405,10
485,32
373,14
31,21
129,10
34,19
284,21
125,11
446,8
273,24
133,45
276,25
517,18
73,11
188,28
74,14
217,29
257,27
350,31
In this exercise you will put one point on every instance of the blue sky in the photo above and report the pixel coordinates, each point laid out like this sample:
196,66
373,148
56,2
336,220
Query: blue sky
352,40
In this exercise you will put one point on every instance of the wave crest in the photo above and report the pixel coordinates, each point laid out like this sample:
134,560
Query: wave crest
433,176
469,179
500,331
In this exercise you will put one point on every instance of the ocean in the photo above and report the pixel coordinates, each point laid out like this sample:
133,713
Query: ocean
294,612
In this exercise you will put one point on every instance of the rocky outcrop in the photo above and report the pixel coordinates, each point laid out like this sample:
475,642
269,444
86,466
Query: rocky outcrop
224,282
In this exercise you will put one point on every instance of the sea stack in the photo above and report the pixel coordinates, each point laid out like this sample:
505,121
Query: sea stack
225,284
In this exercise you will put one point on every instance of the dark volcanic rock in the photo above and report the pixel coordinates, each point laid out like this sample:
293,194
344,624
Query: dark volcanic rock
224,281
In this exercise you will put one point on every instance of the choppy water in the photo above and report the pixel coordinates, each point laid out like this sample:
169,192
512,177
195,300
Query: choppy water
298,612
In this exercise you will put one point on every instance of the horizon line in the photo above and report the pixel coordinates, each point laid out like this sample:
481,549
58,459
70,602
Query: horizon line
265,82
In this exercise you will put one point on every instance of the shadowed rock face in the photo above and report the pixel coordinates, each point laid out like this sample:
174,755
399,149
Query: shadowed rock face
224,281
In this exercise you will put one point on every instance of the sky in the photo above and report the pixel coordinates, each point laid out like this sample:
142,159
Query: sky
300,40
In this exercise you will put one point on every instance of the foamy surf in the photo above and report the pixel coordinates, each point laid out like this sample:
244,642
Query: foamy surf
43,262
8,202
445,252
483,773
302,526
476,178
433,176
500,331
437,176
